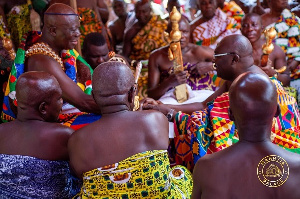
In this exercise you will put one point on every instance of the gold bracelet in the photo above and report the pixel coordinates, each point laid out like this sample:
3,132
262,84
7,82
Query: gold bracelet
281,70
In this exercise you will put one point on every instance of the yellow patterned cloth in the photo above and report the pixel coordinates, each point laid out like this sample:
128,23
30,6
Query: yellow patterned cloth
18,23
144,175
149,38
89,22
234,11
211,32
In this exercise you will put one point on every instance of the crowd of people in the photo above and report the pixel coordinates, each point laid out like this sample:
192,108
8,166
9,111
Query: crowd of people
90,108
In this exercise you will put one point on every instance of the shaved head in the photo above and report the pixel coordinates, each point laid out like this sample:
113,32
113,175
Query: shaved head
236,43
57,13
61,27
34,87
253,98
111,79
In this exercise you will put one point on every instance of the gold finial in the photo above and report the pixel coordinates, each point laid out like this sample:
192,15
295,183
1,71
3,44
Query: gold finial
7,44
270,34
175,16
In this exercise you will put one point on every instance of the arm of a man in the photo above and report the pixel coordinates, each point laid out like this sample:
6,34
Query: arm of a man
198,179
71,93
280,61
103,10
127,45
157,89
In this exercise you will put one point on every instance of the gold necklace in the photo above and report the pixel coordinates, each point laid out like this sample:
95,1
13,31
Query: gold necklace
44,49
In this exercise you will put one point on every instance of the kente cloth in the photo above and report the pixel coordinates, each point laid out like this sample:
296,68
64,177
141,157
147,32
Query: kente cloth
208,81
210,130
29,177
143,175
69,58
234,11
211,32
89,22
18,22
149,38
288,37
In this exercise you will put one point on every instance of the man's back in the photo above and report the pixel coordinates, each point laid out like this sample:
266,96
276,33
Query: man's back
38,139
116,137
246,171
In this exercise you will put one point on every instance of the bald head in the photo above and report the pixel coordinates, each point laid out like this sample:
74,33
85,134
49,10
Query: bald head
58,13
253,99
235,43
111,79
34,87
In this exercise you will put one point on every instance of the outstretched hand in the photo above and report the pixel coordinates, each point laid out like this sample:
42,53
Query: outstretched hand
158,106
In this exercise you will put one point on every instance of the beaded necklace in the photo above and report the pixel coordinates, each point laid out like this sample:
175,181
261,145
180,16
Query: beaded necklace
44,49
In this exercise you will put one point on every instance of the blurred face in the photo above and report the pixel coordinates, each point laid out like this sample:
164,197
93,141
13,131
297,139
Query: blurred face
208,8
184,27
143,12
97,55
278,5
252,28
119,8
172,4
67,32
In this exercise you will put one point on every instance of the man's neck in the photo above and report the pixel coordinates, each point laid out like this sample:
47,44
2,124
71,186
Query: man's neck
114,109
276,13
26,116
51,44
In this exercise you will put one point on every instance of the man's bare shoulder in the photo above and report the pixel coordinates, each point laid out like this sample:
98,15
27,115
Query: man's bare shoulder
278,52
132,31
41,62
158,52
196,22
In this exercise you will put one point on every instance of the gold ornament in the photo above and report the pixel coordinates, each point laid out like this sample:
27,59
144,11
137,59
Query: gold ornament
43,49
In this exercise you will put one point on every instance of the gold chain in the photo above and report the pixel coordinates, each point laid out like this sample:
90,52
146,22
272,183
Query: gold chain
44,49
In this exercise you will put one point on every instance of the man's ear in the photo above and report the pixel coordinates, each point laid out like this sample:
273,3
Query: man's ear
52,30
43,108
236,58
131,94
230,114
278,111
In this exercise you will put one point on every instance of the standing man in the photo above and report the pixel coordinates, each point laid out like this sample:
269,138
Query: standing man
146,34
210,28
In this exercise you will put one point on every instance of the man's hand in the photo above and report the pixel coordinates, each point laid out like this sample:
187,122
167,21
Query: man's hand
176,79
163,108
201,68
268,69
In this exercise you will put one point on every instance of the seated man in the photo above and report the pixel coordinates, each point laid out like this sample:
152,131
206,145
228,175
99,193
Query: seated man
197,64
252,29
41,53
267,171
210,28
136,164
287,25
33,147
95,50
231,9
145,35
210,129
124,21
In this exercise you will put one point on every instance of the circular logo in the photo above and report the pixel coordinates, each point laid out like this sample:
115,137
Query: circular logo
272,171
